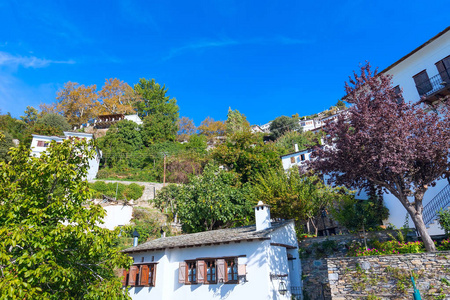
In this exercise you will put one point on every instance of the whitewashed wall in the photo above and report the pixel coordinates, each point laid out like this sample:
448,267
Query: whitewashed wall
423,59
117,215
261,259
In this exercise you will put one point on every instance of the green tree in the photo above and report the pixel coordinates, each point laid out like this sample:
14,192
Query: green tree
122,140
6,142
356,214
340,104
158,127
216,199
282,124
167,200
17,128
153,100
246,154
236,122
50,244
294,196
58,122
30,115
160,113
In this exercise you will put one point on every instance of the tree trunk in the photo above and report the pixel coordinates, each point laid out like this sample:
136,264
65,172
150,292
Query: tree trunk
422,229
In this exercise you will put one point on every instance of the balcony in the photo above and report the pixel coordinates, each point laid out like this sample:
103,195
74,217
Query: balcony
435,88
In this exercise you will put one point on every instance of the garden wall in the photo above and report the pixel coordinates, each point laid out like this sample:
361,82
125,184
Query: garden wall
388,277
314,255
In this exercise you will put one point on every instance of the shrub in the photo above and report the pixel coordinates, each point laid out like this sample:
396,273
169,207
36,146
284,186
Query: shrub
131,191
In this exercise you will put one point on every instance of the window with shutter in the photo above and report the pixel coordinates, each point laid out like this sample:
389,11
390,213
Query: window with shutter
182,272
132,276
443,67
140,275
302,157
292,159
152,275
231,271
423,83
143,280
40,143
242,270
221,270
200,271
191,272
210,271
125,278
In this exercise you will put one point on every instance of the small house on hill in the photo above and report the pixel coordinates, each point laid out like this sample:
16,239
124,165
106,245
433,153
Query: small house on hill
259,262
40,143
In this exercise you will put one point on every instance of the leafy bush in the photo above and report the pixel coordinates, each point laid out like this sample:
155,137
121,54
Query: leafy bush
444,220
389,248
131,191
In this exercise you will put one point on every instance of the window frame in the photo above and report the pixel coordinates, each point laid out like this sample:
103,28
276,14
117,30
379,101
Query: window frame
138,273
194,267
201,267
234,269
208,268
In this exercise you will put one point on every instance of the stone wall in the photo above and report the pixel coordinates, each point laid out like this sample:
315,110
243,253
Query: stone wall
314,255
389,276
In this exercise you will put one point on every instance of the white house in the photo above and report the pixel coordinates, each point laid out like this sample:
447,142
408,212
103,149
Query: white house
41,142
296,158
423,74
251,262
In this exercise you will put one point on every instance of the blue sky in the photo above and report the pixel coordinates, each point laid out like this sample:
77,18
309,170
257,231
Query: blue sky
264,58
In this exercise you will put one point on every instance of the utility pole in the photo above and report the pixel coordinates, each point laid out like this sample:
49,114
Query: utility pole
164,178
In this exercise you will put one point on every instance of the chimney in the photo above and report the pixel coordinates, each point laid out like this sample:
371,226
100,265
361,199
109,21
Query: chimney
262,216
296,147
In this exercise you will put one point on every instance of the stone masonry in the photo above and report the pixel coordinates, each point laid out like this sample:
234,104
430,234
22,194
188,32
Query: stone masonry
389,276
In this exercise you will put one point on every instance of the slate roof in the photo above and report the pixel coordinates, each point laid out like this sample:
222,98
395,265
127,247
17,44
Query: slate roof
213,237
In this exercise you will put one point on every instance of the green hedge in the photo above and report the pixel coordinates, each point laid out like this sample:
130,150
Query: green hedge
130,191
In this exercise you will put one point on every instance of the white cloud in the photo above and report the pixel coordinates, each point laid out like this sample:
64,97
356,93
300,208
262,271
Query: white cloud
279,40
7,59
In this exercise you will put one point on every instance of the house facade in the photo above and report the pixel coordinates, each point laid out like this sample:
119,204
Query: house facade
41,142
258,262
423,75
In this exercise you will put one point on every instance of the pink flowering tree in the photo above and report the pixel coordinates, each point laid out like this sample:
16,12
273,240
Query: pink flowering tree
399,147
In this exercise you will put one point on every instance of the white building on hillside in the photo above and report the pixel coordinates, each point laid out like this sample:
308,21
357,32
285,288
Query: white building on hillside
41,142
251,262
424,73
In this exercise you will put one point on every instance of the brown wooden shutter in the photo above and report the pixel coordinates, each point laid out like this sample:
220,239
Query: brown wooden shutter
242,270
200,271
182,272
143,277
423,83
154,275
40,144
132,276
292,159
221,270
125,278
443,67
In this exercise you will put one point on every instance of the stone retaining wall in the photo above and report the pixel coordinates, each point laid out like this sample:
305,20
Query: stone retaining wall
389,276
315,252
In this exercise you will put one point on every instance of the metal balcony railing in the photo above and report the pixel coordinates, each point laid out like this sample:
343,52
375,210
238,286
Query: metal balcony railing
434,84
440,201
